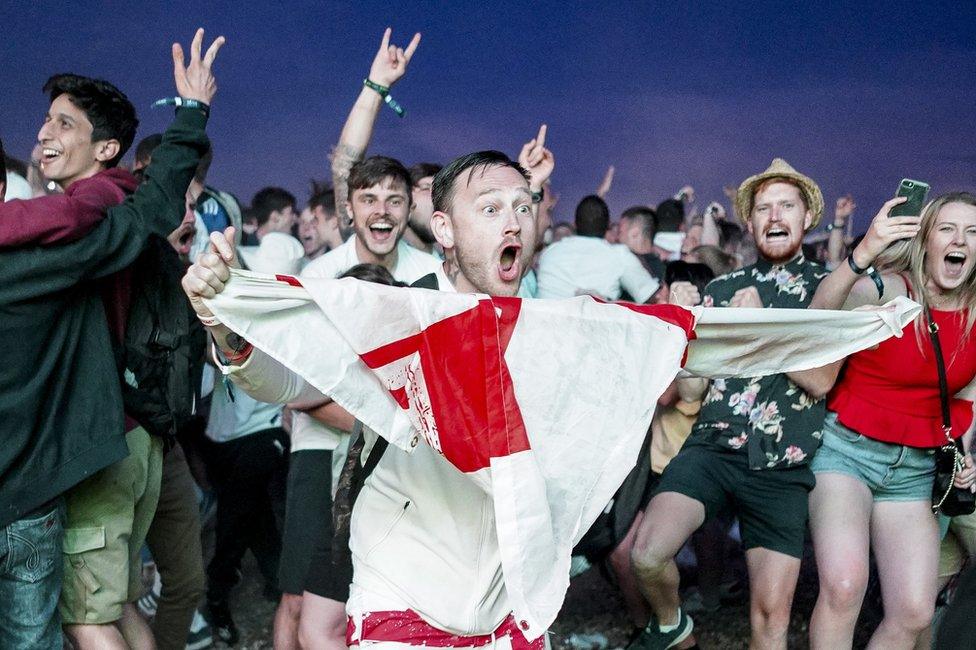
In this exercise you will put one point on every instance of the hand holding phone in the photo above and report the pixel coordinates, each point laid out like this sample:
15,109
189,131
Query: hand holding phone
916,192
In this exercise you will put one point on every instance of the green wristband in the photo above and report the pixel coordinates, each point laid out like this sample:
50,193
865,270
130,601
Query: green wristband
384,92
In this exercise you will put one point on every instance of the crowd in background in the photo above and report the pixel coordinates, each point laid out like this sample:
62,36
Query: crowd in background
195,452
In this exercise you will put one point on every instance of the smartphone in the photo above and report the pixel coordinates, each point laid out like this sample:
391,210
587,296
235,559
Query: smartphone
916,191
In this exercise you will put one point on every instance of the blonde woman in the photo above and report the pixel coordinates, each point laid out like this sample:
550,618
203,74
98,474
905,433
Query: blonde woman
876,465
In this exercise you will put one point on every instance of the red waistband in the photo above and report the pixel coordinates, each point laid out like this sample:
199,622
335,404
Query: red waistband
408,627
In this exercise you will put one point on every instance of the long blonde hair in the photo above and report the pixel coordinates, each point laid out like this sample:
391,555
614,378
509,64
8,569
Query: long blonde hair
908,256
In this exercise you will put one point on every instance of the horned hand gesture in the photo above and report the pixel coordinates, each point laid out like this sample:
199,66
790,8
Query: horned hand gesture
196,81
390,62
537,160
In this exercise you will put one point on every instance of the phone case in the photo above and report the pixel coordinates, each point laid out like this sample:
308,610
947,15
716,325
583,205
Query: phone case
917,192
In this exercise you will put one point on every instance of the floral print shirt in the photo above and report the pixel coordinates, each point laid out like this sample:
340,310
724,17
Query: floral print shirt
772,419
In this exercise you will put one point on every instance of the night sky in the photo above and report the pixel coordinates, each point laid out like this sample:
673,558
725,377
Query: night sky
856,94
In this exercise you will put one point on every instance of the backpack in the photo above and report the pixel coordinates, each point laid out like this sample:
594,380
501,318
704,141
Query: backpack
161,357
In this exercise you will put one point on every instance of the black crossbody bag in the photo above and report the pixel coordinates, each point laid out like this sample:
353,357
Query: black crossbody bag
949,458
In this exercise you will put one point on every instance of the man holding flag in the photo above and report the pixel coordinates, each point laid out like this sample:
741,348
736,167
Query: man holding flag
532,411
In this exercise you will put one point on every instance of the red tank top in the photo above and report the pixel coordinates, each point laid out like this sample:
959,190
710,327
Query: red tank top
891,393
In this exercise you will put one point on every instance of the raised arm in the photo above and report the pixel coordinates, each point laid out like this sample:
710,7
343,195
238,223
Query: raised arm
389,65
838,229
835,291
710,234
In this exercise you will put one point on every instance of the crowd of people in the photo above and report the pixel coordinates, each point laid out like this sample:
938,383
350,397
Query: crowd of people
133,414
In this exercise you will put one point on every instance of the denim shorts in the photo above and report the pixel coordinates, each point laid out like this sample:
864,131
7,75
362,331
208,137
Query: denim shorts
892,472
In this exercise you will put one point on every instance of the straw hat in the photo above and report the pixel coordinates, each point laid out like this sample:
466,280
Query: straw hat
779,168
277,253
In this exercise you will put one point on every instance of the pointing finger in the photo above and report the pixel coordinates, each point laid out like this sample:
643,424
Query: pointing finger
412,47
385,43
211,54
195,45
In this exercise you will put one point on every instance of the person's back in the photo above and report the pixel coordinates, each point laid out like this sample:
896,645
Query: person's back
587,264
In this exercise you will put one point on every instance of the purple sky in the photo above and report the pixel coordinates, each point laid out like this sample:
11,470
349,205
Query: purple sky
857,95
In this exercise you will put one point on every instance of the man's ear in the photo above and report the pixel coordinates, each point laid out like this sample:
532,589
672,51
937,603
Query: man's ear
807,220
442,228
106,150
349,212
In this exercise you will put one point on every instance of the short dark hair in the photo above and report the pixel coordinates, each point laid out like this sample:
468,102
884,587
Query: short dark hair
372,171
693,272
670,215
146,146
268,200
645,216
729,233
423,170
372,273
592,217
112,115
322,196
442,192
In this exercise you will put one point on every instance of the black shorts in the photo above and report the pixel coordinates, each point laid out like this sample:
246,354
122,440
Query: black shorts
306,546
771,504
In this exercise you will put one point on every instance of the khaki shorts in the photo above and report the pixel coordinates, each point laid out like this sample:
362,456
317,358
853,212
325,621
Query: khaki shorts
958,545
107,518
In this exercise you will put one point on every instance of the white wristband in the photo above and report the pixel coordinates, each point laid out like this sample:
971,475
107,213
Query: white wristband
209,321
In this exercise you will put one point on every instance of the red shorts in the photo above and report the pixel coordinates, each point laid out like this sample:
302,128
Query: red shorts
408,628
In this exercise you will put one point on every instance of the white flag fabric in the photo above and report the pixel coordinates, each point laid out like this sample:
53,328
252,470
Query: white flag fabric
544,403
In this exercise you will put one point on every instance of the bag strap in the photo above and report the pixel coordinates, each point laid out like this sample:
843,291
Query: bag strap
943,382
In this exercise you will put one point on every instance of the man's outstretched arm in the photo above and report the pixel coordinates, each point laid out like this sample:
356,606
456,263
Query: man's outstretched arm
389,65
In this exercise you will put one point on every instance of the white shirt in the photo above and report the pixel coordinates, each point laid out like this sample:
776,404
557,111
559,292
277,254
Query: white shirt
422,534
576,265
412,264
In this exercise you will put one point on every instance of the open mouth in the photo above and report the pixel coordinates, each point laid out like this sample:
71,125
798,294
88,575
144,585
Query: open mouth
955,262
381,230
49,155
508,263
777,234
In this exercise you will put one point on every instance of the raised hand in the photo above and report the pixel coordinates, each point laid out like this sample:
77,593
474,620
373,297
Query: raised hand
207,277
843,209
604,188
717,210
746,297
390,62
537,160
883,232
196,81
685,294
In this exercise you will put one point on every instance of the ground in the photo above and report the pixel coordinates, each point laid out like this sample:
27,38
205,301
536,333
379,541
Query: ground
592,605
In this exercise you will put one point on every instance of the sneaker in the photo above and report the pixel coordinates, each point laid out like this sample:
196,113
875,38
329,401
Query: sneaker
201,635
218,613
652,638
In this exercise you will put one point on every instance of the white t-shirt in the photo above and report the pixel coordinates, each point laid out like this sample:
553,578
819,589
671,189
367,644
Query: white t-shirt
577,265
412,264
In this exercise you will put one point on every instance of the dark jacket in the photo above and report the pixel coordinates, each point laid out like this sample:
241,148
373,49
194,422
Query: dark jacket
60,400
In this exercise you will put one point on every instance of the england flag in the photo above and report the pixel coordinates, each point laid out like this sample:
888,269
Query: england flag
543,403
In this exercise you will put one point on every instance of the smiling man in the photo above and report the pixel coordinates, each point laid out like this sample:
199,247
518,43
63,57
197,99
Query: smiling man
754,437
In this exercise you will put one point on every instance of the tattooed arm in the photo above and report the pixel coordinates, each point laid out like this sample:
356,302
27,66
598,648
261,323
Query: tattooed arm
389,65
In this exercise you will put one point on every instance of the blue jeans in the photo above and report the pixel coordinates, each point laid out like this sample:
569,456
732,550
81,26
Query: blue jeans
30,580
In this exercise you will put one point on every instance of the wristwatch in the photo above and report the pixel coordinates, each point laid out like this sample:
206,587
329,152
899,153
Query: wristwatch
538,196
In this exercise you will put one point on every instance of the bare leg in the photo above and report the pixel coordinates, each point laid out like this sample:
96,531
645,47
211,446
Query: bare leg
772,579
668,522
623,571
840,522
286,622
95,637
906,547
323,623
135,630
